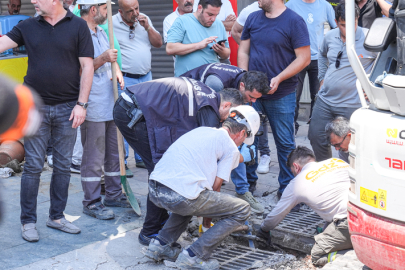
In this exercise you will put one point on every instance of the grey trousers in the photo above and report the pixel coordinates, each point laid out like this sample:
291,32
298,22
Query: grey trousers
78,149
100,148
333,242
321,115
231,211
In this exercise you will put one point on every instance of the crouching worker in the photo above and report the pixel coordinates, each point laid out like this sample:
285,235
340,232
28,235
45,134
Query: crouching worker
187,182
324,187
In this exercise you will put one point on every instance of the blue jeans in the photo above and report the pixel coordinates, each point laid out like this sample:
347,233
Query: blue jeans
281,117
128,82
56,126
243,175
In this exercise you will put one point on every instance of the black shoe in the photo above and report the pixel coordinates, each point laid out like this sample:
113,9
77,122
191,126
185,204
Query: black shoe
145,240
252,187
140,165
74,168
102,192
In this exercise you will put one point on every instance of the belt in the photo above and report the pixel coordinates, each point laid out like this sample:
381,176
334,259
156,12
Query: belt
133,76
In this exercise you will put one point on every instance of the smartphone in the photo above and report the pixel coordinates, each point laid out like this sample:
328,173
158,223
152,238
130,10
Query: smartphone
220,42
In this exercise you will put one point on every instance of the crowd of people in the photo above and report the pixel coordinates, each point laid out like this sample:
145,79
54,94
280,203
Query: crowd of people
200,128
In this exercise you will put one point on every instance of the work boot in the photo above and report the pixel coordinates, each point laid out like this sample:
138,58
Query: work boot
252,187
184,261
145,240
264,164
141,165
29,232
158,252
128,172
121,201
99,211
255,206
64,226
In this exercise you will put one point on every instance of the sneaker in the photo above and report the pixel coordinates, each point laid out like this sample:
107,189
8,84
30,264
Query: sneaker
99,211
121,201
128,172
29,232
255,206
184,261
264,164
141,165
49,159
74,168
145,240
157,252
64,226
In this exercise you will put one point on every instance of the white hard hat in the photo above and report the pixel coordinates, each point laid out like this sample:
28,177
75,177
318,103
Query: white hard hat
88,3
248,116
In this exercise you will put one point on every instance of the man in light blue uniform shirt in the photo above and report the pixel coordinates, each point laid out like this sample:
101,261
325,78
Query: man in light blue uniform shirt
193,38
315,13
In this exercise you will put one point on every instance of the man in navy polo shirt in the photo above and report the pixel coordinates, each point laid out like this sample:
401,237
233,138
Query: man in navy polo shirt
275,40
59,44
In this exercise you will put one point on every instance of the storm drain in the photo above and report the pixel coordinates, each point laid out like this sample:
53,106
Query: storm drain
240,257
303,223
297,230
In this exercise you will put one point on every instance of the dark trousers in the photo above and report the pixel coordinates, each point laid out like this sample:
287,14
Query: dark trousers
323,114
312,70
137,137
55,126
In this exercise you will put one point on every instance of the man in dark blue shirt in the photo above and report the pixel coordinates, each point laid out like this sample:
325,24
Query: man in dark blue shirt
275,40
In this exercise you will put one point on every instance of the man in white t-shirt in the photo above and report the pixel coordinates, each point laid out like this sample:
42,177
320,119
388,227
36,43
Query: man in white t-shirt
184,7
237,28
323,186
187,182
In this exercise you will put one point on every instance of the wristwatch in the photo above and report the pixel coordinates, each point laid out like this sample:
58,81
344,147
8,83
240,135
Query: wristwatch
84,105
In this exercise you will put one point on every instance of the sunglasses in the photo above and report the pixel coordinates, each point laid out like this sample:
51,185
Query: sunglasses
132,32
339,144
339,56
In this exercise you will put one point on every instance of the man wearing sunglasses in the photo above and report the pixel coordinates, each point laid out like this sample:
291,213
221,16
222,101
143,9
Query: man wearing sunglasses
339,135
338,94
136,36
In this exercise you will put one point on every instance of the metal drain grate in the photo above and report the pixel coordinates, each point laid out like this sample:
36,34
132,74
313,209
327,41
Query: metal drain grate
240,257
303,223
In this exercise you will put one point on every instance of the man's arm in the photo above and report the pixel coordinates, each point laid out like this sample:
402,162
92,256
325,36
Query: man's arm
303,59
207,117
385,7
243,54
79,113
222,51
322,62
229,22
109,55
154,37
183,49
217,184
236,32
287,202
6,43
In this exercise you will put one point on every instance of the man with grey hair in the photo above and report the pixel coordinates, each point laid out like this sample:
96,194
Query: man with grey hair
338,134
13,7
99,125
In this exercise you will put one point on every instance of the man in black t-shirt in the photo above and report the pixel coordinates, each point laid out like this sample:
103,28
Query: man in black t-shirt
58,45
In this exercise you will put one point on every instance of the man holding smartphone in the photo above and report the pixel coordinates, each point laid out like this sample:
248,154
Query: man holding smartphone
195,38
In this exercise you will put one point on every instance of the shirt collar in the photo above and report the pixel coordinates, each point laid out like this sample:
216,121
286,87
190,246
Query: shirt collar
69,15
357,35
98,30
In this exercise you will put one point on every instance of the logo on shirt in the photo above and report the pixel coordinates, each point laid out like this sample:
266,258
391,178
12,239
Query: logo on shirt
310,18
333,165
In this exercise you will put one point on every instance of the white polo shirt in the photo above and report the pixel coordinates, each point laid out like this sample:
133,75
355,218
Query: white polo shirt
136,54
168,21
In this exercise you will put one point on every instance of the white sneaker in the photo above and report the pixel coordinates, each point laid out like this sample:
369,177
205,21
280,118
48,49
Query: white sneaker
49,159
264,164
